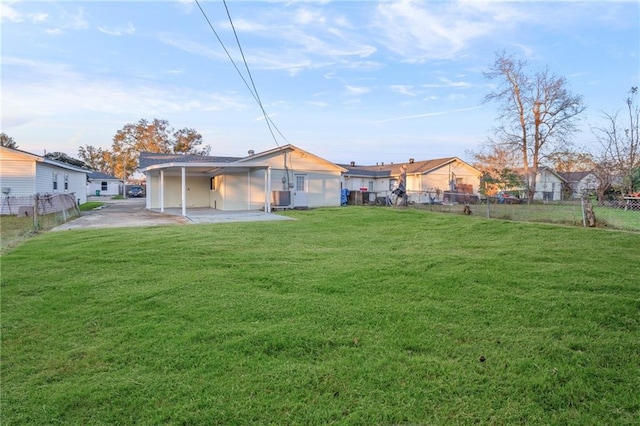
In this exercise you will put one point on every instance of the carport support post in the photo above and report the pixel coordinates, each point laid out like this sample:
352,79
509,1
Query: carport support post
267,190
184,191
162,191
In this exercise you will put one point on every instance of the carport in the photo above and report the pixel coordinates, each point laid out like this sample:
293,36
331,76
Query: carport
158,174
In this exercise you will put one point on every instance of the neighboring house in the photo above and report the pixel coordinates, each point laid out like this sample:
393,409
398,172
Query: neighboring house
549,185
26,174
426,181
103,184
579,184
284,177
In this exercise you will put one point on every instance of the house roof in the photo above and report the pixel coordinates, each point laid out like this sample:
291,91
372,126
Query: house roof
147,159
44,160
395,169
574,176
102,176
542,169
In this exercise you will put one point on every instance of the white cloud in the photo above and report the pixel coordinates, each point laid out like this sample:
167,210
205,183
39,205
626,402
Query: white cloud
305,16
69,21
118,31
42,89
8,13
429,114
421,31
403,89
353,90
186,6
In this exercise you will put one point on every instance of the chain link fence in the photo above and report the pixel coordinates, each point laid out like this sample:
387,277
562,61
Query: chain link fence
585,212
623,213
24,215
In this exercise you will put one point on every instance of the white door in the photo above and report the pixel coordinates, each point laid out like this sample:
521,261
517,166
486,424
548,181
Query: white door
300,191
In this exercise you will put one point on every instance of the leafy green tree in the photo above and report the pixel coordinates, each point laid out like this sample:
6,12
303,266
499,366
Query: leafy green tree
7,141
150,136
96,158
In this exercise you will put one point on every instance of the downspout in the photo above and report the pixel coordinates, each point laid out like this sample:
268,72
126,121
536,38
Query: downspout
184,191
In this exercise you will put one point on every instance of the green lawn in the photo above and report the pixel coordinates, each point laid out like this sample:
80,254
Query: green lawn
348,316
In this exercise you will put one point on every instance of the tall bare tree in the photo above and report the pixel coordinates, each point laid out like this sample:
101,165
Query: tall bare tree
620,142
537,113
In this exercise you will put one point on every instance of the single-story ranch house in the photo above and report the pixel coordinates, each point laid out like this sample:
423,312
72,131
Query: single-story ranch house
429,181
26,174
284,177
579,184
101,184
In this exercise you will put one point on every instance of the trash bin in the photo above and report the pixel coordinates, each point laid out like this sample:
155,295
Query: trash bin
97,192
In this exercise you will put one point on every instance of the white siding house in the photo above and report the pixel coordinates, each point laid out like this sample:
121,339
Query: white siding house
284,177
26,174
579,184
103,184
549,185
427,181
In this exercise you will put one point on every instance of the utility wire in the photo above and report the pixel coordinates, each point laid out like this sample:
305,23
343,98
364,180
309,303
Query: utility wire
253,91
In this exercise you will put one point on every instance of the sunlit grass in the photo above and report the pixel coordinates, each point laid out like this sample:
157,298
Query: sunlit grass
351,316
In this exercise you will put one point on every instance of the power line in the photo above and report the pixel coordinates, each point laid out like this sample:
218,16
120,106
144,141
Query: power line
252,89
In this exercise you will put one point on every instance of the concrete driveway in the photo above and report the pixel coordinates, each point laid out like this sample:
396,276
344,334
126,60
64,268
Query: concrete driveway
132,212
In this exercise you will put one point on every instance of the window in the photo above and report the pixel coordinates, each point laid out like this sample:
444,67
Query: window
300,183
392,184
66,182
104,186
370,185
212,185
55,181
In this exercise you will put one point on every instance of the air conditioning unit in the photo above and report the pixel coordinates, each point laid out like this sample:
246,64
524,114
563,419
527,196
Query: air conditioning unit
281,198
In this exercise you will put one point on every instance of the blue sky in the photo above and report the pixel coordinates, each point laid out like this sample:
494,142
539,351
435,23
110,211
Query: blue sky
364,81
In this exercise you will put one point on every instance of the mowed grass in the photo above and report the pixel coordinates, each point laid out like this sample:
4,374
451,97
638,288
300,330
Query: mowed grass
346,316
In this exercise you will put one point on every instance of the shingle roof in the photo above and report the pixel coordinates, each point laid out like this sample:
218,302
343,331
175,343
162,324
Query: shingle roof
147,159
574,176
100,175
383,170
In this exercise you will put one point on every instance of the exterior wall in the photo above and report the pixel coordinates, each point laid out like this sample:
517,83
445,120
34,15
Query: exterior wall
236,191
75,181
323,189
587,185
17,172
25,175
216,195
421,187
548,187
323,184
114,187
197,191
